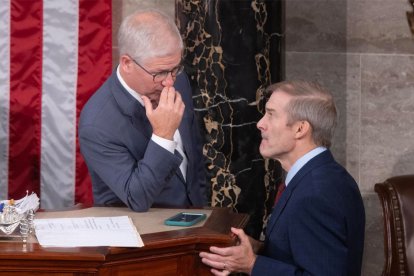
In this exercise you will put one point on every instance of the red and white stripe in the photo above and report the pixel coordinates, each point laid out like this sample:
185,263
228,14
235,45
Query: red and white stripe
53,56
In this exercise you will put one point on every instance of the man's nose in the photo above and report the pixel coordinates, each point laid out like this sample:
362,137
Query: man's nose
259,124
169,80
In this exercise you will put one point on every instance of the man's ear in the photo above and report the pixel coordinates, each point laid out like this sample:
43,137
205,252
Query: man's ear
303,128
126,63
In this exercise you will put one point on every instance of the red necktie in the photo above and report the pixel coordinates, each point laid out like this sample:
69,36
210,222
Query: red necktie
280,190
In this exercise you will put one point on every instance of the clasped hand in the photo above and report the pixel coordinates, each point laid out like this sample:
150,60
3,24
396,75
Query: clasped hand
238,258
166,117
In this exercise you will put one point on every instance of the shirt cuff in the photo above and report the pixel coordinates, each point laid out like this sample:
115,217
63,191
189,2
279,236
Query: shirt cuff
164,143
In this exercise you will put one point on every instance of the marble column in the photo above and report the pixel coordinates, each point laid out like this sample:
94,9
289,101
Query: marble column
233,51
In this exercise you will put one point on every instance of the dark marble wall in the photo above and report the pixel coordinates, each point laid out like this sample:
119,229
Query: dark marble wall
233,51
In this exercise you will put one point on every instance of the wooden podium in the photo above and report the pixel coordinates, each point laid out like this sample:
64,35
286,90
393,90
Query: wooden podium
172,252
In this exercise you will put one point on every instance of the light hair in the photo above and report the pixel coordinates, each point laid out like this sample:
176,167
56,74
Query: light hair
148,34
310,103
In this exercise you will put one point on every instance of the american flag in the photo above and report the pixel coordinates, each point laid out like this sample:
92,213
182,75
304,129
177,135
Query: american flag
53,55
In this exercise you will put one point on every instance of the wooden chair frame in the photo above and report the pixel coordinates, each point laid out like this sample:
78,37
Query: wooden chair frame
394,228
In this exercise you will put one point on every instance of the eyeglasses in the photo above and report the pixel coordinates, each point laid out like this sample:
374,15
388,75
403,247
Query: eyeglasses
160,76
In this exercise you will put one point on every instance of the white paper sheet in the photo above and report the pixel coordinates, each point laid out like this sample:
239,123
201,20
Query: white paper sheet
87,231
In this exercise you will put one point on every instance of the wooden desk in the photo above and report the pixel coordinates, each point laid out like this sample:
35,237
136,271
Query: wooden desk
165,253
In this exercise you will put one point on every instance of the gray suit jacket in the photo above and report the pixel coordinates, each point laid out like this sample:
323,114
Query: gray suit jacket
125,165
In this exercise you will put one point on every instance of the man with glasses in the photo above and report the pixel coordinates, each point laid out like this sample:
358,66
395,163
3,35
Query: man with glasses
138,133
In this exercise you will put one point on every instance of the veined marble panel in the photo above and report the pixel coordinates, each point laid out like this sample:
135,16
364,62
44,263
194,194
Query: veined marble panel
232,53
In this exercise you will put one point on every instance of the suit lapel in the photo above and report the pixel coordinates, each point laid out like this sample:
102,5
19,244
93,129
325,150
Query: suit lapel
130,107
140,121
295,183
280,206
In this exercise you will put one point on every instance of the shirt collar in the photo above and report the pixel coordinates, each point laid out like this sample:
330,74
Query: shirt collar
301,162
127,88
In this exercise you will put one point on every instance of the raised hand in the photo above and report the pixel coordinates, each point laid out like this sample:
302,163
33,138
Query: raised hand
166,117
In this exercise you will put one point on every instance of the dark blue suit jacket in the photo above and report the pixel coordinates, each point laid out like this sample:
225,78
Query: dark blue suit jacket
317,226
126,166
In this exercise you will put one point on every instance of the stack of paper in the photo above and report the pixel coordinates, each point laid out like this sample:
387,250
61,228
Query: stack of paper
87,231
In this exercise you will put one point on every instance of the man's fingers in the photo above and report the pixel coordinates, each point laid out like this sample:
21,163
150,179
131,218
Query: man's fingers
237,231
218,272
147,104
171,94
209,256
163,95
167,96
218,267
170,98
213,260
225,251
243,238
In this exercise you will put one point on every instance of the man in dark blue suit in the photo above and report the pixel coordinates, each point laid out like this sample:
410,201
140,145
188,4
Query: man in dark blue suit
317,226
138,133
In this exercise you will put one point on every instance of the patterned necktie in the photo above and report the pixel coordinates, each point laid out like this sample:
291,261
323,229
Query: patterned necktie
280,190
180,149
